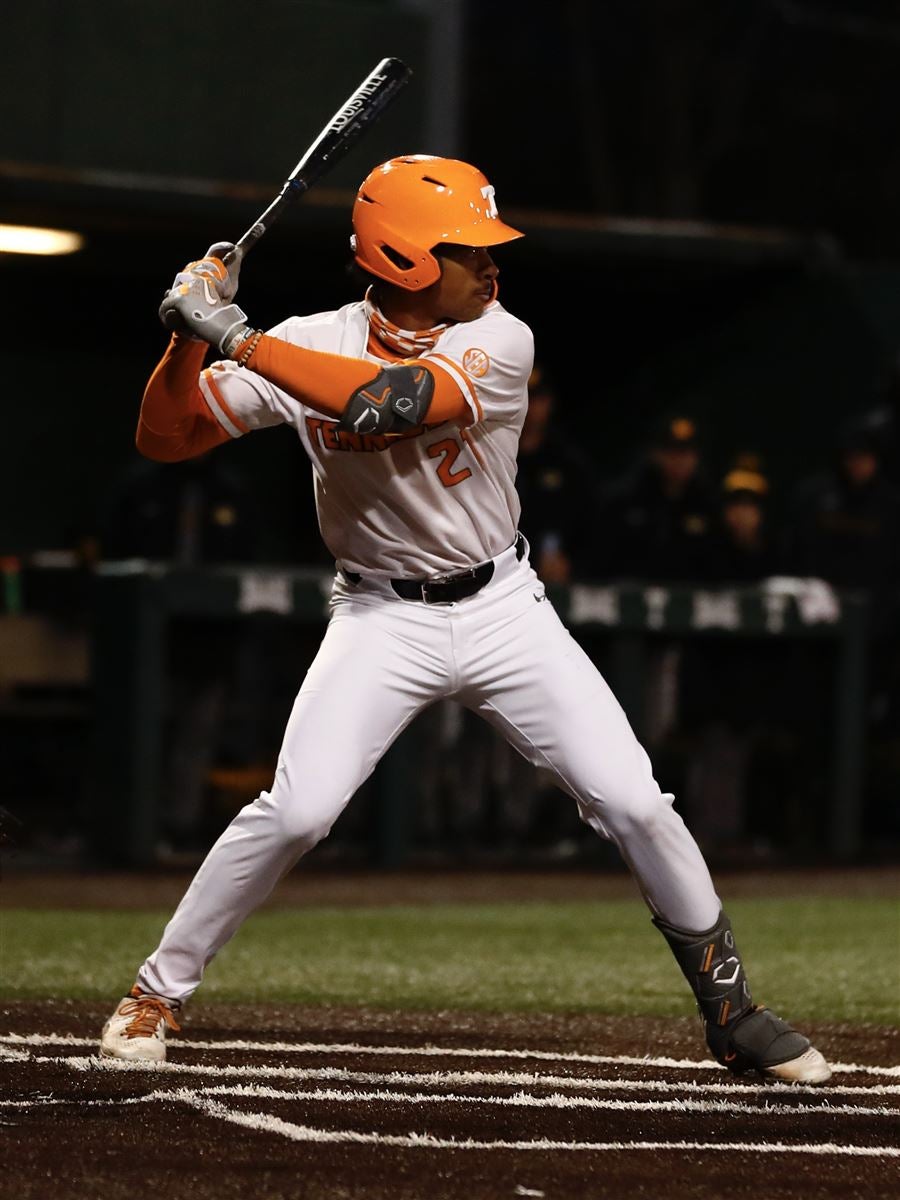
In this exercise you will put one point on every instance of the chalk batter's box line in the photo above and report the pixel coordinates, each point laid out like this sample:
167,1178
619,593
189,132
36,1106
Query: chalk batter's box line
267,1123
332,1048
201,1099
444,1079
518,1100
305,1133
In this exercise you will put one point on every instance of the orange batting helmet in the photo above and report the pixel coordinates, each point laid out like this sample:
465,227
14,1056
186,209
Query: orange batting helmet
408,206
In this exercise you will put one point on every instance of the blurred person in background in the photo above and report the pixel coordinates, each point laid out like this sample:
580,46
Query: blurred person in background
657,518
843,522
196,513
557,485
883,420
742,547
654,526
557,488
187,513
729,685
843,526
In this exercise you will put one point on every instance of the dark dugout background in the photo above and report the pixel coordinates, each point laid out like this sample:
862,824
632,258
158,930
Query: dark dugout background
708,187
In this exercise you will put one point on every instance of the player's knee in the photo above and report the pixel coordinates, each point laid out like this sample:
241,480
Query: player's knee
304,808
639,813
302,826
278,819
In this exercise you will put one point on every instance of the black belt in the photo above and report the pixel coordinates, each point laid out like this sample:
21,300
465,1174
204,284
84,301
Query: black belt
445,589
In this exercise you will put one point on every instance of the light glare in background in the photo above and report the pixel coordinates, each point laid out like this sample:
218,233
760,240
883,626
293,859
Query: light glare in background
31,239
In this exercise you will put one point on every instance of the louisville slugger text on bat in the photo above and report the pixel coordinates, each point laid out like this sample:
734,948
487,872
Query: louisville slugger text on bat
356,114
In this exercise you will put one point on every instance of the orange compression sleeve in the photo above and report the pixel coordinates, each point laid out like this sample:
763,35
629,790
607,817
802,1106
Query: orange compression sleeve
326,382
175,422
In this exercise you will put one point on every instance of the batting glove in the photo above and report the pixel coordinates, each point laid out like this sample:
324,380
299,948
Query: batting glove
229,254
194,305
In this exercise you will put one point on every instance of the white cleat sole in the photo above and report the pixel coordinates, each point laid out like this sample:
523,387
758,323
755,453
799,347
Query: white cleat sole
149,1053
145,1049
809,1067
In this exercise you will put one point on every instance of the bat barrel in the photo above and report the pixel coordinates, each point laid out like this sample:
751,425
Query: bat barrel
366,104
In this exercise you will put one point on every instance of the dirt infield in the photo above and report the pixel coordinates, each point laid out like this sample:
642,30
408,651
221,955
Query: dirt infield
326,1104
282,1102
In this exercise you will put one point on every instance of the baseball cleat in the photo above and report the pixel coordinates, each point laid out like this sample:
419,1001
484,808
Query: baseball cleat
136,1031
743,1036
809,1067
759,1041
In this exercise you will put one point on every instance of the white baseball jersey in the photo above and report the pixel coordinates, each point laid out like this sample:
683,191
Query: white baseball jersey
434,501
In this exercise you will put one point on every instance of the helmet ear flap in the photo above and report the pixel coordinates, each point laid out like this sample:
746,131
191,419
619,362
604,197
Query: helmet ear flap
400,262
383,251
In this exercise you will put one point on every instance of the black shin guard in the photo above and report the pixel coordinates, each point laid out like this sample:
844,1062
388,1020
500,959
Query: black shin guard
712,966
742,1036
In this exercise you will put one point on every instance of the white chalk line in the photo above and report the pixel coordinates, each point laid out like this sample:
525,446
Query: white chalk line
461,1078
37,1039
555,1100
517,1100
426,1141
267,1123
7,1054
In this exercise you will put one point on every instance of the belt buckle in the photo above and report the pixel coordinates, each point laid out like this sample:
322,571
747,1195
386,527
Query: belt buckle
426,585
452,577
439,580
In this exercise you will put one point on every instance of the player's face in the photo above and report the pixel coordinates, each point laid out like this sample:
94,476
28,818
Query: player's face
860,466
466,285
677,464
743,518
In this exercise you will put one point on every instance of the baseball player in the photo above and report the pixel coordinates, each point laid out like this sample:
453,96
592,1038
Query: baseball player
409,404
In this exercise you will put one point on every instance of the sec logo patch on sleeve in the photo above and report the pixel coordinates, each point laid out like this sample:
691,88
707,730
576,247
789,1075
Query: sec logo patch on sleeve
476,362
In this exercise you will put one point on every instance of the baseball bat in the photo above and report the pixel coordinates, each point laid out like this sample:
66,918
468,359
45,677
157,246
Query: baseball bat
354,116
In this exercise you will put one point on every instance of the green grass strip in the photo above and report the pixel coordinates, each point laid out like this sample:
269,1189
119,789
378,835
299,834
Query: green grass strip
821,958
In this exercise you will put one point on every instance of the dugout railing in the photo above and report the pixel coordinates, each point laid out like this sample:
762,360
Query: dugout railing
135,600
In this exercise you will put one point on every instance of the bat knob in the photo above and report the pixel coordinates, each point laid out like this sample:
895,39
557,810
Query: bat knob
171,318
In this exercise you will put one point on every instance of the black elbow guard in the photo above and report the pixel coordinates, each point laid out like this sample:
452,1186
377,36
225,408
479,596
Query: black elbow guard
396,400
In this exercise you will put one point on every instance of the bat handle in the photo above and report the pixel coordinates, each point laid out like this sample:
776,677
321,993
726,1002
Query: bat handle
248,240
291,190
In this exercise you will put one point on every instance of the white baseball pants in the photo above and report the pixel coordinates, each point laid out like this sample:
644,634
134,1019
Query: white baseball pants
503,653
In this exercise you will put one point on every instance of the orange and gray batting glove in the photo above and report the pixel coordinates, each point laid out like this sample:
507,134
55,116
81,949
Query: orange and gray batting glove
195,304
230,256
